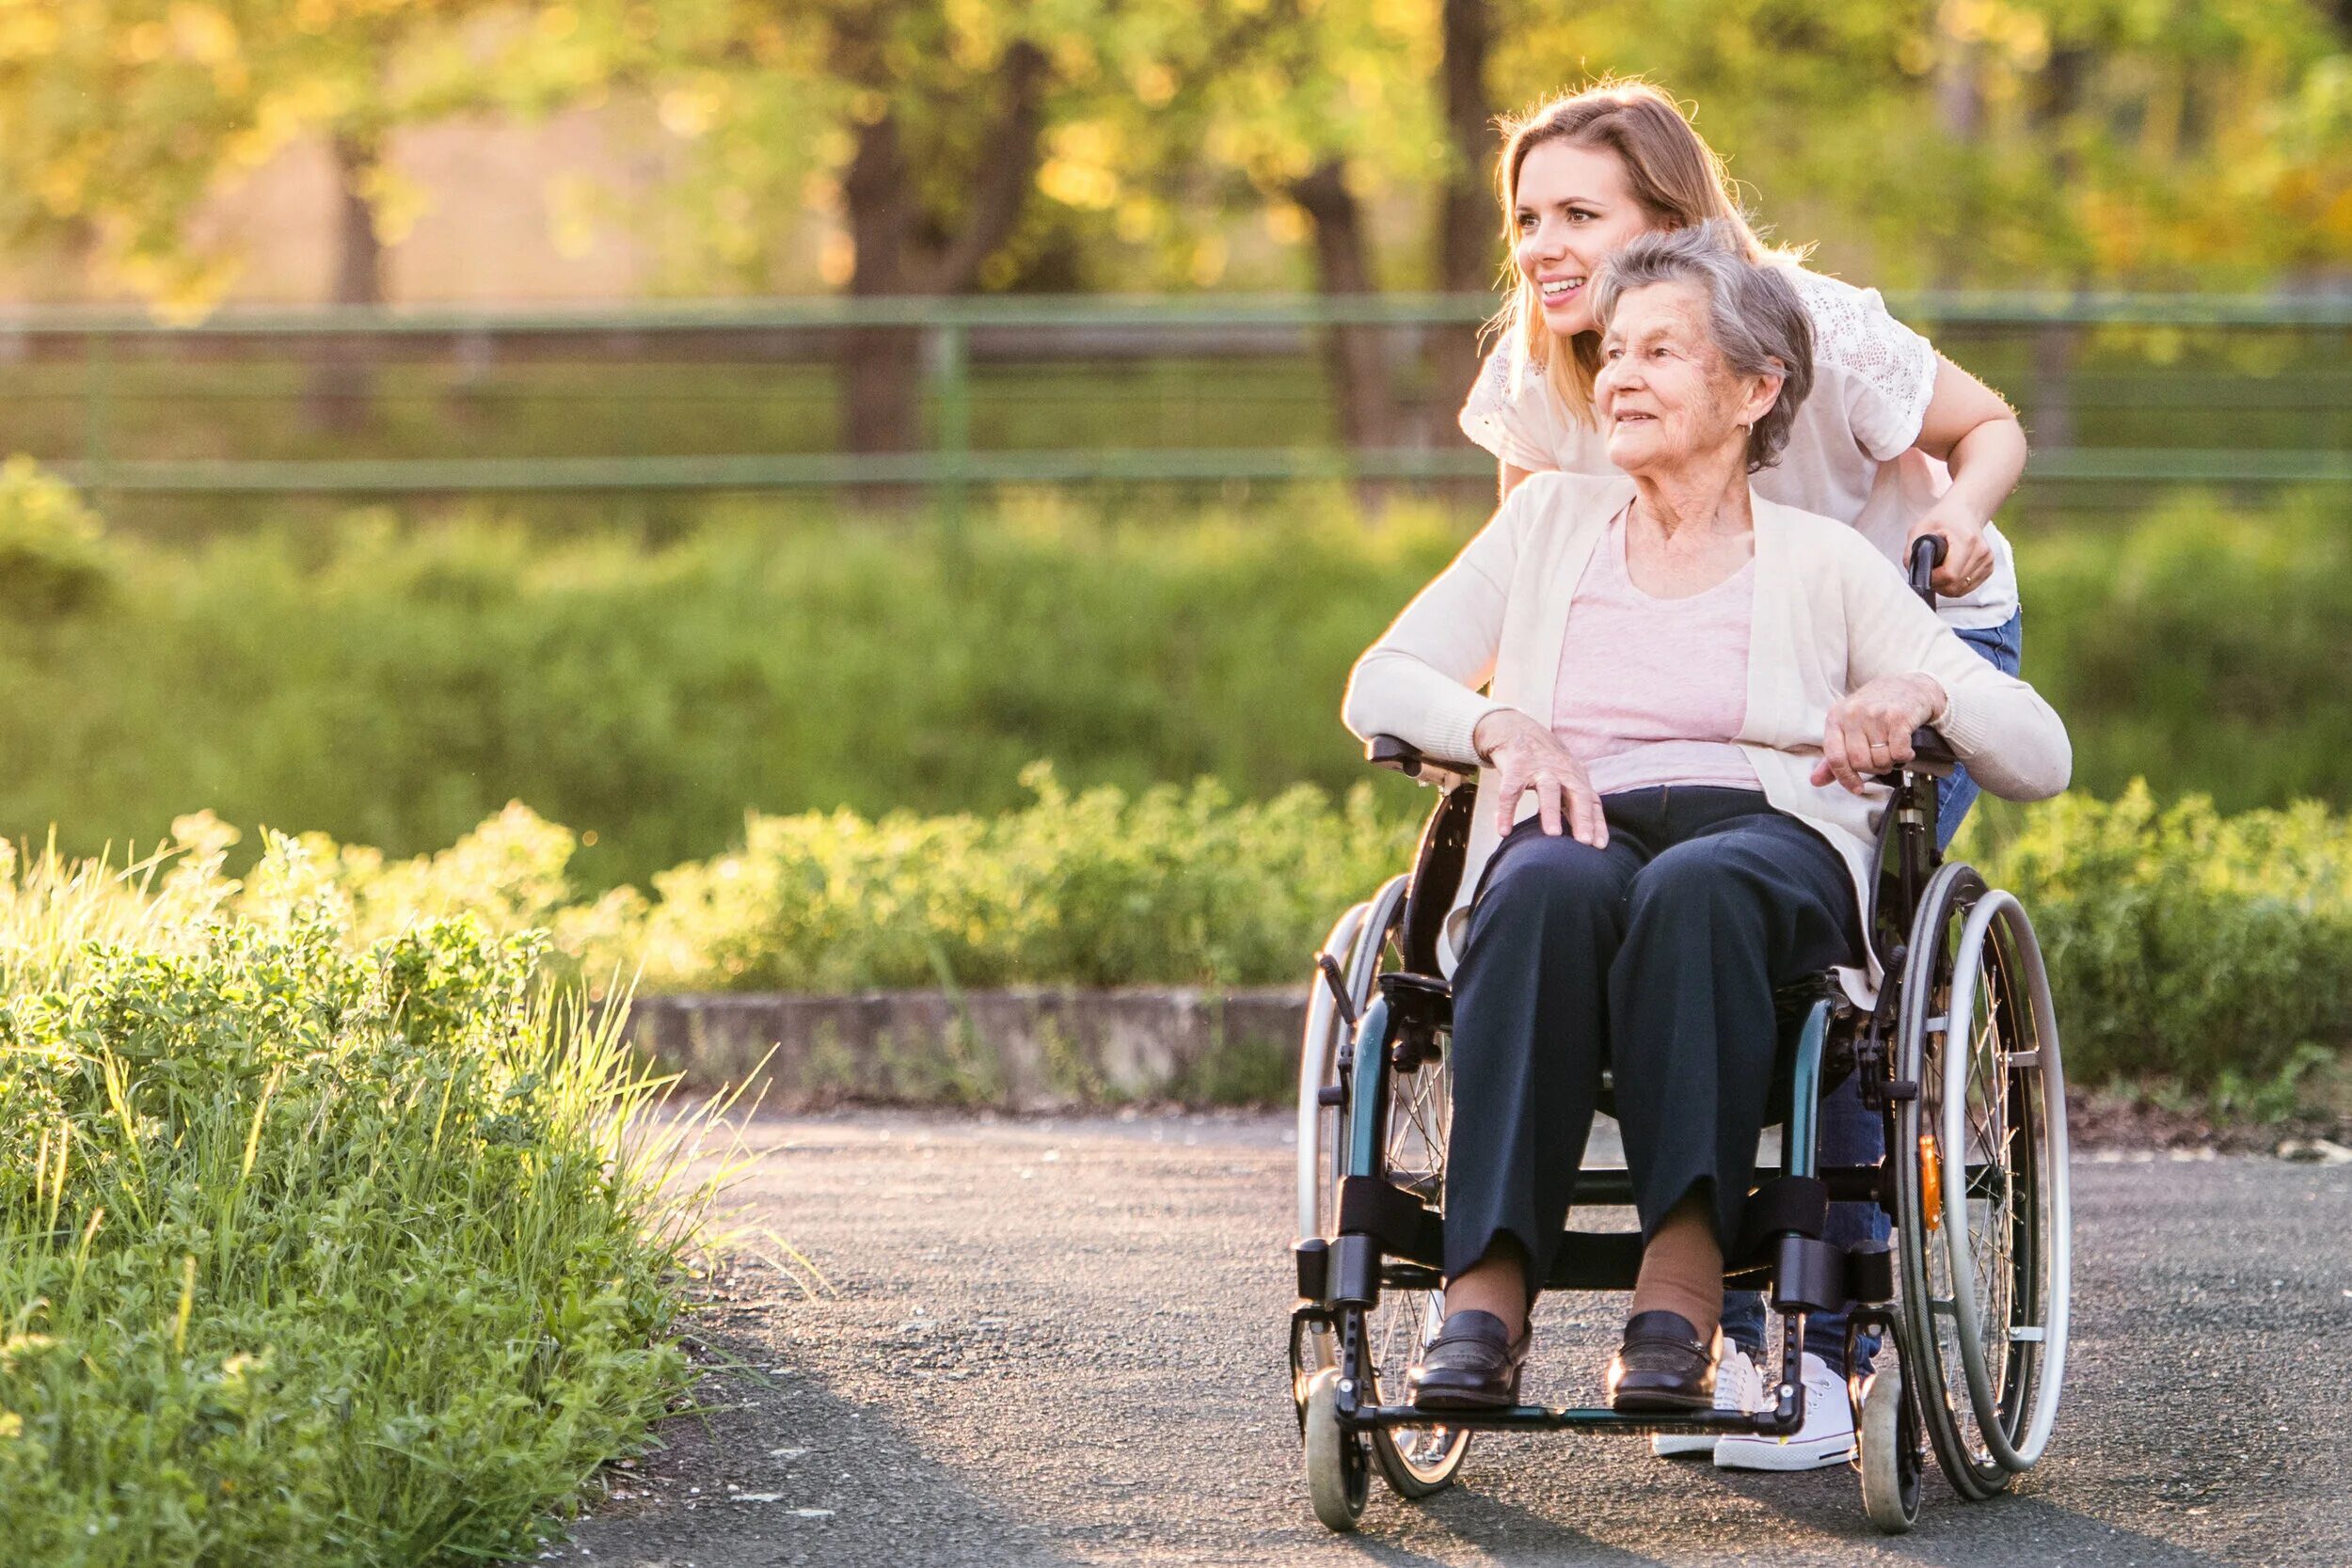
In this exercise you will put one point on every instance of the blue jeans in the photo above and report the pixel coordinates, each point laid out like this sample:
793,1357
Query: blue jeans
1851,1133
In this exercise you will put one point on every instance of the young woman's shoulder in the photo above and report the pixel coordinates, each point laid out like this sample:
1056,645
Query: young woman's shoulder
1886,369
1513,412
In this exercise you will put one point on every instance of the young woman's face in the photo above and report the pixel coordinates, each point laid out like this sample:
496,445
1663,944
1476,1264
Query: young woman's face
1572,209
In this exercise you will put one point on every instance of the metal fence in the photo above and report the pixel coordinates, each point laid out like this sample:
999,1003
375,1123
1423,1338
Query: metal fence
2121,392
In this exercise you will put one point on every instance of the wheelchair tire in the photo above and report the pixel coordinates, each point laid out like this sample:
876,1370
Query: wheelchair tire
1887,1449
1415,1461
1338,1479
1981,1193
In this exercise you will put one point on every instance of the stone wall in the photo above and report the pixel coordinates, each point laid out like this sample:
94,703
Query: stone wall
1030,1049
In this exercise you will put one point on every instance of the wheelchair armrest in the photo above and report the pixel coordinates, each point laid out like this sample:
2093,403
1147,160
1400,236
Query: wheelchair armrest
1931,754
1386,750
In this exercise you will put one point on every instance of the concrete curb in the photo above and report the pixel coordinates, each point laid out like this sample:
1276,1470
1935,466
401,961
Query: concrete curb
1041,1047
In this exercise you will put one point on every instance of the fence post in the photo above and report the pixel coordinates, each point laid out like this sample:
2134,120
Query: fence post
951,363
97,377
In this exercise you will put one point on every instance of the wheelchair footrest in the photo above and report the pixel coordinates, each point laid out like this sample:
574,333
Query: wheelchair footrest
1544,1418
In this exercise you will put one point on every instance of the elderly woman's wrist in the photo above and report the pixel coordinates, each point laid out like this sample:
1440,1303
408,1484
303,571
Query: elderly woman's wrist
1938,700
1490,730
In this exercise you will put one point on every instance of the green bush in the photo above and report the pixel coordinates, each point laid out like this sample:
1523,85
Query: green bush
2183,944
313,1254
2204,649
393,685
53,559
1096,889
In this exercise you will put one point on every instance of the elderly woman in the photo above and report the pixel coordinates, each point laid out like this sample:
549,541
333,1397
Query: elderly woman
1894,441
1698,686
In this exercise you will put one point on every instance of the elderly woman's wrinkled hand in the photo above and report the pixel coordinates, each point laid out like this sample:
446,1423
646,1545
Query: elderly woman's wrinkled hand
1869,729
1527,755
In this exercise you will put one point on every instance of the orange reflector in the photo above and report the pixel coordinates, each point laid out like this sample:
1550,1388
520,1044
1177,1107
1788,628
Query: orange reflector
1931,1183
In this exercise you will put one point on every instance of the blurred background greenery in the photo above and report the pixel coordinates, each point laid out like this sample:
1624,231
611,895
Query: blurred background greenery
625,408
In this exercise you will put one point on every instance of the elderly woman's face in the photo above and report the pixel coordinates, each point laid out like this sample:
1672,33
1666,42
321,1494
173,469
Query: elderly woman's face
1572,209
1664,391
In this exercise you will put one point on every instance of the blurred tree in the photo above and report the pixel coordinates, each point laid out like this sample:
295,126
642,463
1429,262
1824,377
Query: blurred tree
2003,143
1329,117
926,130
120,118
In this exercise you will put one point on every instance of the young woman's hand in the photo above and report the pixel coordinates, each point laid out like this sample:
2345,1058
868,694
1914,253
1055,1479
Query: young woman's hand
1968,557
1869,729
1527,755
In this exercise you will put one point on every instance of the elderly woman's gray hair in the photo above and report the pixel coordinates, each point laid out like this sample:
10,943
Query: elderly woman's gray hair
1758,323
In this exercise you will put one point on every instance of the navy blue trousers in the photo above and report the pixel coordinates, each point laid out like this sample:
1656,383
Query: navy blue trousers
1655,956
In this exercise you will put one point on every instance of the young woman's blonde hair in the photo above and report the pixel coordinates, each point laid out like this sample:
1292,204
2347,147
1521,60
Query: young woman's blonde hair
1672,173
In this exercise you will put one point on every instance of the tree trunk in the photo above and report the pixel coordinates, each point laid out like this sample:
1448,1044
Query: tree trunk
1356,358
342,372
1465,250
2051,412
881,366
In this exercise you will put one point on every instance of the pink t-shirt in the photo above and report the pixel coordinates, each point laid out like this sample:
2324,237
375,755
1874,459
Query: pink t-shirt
1652,691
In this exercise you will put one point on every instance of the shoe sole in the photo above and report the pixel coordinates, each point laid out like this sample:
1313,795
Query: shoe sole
1749,1453
1681,1445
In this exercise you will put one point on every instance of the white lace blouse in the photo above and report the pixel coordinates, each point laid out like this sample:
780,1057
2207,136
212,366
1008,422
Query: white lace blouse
1849,455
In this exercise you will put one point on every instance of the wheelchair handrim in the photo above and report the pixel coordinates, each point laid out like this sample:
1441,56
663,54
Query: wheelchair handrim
1318,1051
2046,1366
1928,1380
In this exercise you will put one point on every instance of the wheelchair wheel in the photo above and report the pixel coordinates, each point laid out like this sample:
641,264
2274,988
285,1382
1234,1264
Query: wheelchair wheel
1414,1461
1889,1455
1339,1481
1981,1199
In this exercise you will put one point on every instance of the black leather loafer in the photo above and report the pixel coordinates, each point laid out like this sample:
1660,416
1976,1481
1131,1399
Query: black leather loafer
1471,1365
1662,1366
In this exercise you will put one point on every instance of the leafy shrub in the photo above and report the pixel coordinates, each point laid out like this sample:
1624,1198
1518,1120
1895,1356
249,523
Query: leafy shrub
2203,649
53,559
1096,888
2181,943
394,686
313,1255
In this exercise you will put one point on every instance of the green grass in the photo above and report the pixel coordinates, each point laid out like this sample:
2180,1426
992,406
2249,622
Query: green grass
310,1253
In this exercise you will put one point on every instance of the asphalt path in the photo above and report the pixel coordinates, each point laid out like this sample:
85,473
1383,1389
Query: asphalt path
1061,1343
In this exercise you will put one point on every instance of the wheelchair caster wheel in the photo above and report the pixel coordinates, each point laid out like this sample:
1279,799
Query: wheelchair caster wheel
1339,1464
1888,1445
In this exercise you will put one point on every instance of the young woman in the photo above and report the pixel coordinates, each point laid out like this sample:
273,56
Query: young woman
1894,441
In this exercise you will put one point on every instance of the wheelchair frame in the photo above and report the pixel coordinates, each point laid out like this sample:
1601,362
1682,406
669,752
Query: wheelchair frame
1951,950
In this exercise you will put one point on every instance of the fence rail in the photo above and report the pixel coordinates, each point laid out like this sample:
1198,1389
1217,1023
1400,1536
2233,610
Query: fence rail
2121,389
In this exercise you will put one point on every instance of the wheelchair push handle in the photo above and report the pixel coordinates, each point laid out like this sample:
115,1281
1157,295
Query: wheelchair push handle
1931,754
1927,553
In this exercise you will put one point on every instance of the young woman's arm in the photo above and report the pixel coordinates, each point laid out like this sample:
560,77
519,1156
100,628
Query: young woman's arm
1969,427
1510,477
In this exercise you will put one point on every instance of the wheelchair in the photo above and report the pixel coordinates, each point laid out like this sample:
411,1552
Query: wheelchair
1960,1059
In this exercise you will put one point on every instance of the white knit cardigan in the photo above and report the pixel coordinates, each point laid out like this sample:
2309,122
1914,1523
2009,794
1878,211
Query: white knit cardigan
1831,613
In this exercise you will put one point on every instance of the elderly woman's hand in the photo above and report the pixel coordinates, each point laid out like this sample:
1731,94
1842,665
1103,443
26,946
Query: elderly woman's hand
1869,729
1527,755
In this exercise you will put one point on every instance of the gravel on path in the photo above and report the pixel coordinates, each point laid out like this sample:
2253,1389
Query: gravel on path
1061,1343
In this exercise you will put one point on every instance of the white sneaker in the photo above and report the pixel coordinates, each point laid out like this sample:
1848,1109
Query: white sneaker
1826,1438
1738,1386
